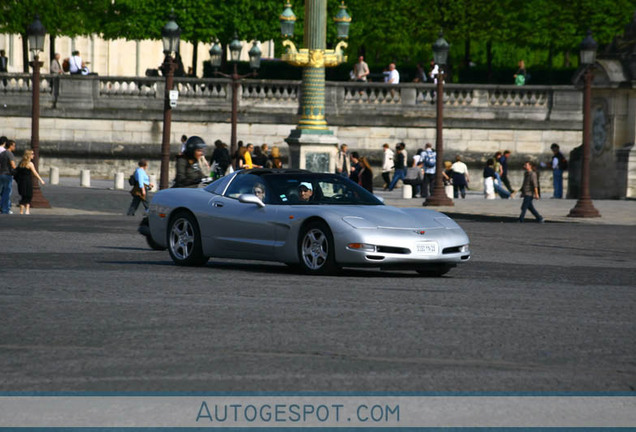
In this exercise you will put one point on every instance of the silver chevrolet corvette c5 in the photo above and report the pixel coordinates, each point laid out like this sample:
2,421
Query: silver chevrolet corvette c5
314,221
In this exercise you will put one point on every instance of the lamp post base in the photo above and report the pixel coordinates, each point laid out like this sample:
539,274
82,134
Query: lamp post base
313,150
439,198
584,209
38,200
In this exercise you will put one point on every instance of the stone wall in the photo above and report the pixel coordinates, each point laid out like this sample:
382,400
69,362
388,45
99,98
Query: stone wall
107,123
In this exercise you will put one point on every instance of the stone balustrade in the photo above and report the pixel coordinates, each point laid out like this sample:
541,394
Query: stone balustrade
106,123
346,101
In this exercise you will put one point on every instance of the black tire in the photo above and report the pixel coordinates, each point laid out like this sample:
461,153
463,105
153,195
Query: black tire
184,240
316,249
435,271
153,244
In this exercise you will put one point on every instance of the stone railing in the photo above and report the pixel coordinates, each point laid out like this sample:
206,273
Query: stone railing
20,84
346,102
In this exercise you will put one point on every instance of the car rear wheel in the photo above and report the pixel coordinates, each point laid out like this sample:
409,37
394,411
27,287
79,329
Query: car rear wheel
315,249
184,240
435,271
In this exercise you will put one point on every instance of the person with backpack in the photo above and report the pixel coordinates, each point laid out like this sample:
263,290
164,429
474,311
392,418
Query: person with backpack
559,164
429,162
141,184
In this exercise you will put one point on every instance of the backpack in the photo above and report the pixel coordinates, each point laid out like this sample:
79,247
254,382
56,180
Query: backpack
131,180
563,162
66,65
429,162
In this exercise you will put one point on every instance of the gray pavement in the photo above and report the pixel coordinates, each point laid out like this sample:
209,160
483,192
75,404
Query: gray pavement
68,198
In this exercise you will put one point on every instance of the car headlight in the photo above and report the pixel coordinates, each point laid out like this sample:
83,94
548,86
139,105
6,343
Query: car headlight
464,249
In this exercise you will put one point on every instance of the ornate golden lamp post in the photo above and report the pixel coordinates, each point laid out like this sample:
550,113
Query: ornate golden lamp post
311,144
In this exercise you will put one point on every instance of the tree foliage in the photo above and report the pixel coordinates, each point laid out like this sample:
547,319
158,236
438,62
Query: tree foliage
498,33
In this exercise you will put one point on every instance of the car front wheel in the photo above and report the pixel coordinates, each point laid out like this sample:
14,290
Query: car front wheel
315,249
184,240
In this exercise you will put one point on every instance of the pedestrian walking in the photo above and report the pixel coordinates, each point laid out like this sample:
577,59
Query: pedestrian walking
387,165
529,192
503,161
400,165
24,174
140,189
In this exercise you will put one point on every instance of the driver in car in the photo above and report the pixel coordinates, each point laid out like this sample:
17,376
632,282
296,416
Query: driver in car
305,191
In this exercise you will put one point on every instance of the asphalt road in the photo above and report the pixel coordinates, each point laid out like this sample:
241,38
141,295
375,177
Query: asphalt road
86,306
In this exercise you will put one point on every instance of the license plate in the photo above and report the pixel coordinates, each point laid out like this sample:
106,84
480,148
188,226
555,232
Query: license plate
427,248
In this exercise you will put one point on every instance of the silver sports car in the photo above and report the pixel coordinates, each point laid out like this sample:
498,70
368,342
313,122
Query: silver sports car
314,221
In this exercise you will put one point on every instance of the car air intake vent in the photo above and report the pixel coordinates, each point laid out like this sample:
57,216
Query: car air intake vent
375,257
451,250
394,250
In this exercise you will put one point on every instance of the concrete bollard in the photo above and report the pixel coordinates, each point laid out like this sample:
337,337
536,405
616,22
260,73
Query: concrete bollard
85,178
153,182
54,176
119,181
407,191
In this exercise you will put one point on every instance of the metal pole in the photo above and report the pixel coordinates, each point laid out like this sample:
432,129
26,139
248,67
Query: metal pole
235,82
584,206
439,197
169,67
38,200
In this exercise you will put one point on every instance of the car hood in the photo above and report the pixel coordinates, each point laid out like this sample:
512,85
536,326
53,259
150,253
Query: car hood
373,217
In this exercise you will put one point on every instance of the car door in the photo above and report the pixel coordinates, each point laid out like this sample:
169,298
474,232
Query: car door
242,230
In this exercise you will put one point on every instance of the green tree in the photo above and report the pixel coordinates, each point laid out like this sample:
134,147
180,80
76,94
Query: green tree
199,20
59,17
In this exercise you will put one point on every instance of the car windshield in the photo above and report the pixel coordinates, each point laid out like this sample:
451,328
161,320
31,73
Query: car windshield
218,186
314,189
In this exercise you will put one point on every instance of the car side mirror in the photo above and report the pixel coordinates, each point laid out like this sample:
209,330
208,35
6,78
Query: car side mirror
251,199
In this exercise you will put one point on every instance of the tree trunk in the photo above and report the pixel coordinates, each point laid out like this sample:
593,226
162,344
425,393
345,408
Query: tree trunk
467,52
51,48
195,57
489,59
550,61
25,53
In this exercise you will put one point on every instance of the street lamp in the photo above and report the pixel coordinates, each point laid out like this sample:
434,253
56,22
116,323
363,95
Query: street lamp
584,206
440,56
311,144
170,34
35,34
343,21
216,55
